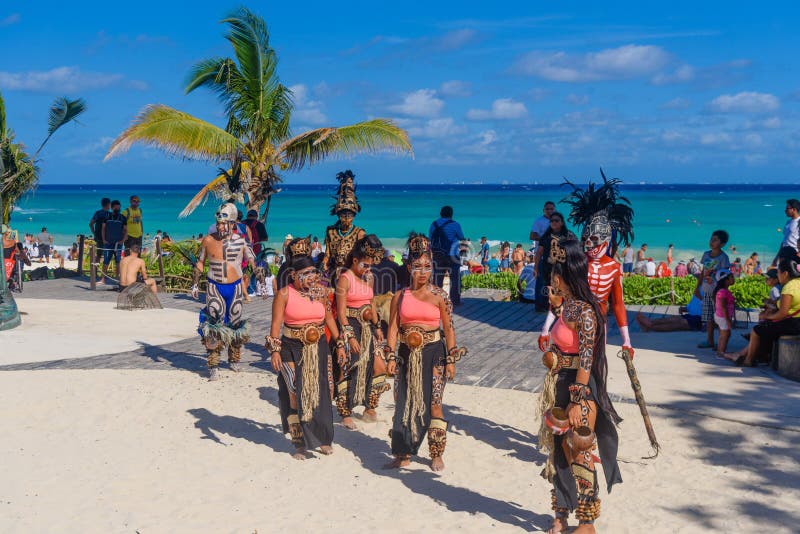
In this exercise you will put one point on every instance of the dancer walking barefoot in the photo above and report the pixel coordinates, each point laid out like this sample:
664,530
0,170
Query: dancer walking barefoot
301,357
576,385
421,365
358,322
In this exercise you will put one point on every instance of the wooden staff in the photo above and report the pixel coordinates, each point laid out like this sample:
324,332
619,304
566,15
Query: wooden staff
637,392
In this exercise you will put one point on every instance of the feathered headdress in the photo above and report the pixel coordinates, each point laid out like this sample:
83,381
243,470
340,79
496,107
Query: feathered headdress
300,246
418,244
601,201
346,199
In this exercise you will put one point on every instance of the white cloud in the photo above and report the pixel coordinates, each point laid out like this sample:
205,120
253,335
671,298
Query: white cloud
674,137
420,103
712,139
305,109
456,88
538,94
437,128
624,62
455,39
771,123
676,103
683,74
502,108
95,148
745,102
578,100
483,143
65,79
13,18
753,140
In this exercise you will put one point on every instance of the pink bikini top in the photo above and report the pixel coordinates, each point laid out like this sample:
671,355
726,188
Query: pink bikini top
301,310
359,293
415,311
564,337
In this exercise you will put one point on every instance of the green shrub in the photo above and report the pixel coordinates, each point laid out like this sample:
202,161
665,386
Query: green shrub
507,281
750,292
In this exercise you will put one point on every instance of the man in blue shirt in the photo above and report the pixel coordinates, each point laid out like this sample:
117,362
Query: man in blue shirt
484,254
445,235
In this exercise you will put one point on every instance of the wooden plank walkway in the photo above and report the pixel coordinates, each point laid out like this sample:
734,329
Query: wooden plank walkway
501,338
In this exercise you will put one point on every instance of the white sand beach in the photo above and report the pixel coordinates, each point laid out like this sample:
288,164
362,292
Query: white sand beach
150,451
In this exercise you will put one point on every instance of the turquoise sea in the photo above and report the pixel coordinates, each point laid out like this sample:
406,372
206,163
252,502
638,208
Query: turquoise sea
681,214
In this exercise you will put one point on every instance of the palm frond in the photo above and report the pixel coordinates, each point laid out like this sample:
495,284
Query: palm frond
377,135
177,133
2,121
62,112
217,187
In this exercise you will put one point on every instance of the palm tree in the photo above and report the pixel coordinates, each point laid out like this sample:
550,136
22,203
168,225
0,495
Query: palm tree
19,173
257,143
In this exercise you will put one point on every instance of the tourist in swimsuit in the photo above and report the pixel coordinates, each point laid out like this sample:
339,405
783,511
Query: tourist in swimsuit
422,364
358,320
301,357
576,383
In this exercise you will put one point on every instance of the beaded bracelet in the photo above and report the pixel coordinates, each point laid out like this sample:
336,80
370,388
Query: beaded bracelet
579,393
340,344
273,344
347,332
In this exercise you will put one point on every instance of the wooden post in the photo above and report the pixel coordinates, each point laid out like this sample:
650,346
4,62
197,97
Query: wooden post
160,259
81,238
92,269
672,289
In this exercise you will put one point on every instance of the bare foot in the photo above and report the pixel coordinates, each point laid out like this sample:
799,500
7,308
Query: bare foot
369,416
437,464
559,525
732,356
585,528
644,323
398,462
236,367
300,454
349,423
327,450
213,374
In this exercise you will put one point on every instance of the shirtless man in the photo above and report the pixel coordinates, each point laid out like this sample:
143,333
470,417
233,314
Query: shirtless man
221,321
131,266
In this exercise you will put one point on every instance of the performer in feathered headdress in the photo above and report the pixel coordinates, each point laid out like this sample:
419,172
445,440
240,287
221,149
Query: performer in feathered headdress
342,236
606,219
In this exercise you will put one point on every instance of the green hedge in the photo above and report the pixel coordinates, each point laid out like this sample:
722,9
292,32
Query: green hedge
507,281
749,291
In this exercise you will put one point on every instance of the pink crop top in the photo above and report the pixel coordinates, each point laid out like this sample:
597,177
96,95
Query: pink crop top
565,338
301,310
359,293
415,311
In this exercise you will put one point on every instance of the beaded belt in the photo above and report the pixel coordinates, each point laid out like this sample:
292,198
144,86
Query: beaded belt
416,337
308,334
555,360
364,313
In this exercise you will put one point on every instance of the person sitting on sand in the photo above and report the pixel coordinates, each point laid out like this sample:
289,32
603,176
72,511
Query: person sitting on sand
690,319
131,267
785,321
362,379
421,366
578,348
301,357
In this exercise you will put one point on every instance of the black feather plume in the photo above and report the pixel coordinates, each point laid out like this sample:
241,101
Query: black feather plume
585,203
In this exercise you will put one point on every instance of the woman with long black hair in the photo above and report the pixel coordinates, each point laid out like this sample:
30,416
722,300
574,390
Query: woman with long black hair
547,253
578,414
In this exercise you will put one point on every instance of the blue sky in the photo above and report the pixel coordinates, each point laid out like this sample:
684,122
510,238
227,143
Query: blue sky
512,91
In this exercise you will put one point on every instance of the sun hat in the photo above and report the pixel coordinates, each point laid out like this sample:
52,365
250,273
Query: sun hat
722,273
289,236
772,273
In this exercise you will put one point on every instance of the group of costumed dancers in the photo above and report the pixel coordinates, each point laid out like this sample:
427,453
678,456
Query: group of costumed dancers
330,347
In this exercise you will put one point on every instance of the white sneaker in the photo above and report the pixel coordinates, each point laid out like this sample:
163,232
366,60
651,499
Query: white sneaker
251,295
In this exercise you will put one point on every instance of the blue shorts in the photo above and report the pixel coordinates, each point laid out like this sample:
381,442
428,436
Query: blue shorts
695,321
504,264
112,249
627,267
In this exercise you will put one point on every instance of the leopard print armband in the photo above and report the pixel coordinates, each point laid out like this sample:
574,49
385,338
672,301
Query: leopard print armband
455,354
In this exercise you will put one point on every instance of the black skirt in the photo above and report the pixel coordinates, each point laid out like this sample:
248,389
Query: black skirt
319,429
433,355
607,444
352,372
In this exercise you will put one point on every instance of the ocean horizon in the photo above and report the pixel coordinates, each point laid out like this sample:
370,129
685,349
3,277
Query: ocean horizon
682,214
